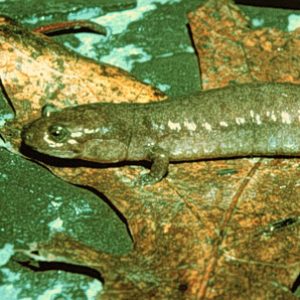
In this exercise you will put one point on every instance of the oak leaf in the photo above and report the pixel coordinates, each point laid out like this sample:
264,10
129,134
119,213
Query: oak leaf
35,70
230,51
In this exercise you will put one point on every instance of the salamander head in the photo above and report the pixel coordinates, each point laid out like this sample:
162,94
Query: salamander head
78,132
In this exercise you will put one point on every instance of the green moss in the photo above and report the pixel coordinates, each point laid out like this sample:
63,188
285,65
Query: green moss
32,199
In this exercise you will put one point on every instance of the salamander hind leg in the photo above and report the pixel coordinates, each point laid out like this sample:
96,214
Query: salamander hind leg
159,168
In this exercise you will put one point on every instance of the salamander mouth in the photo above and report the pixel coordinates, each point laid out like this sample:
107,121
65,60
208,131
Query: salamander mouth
60,154
57,153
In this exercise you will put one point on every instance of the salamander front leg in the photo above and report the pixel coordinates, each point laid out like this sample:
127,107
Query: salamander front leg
159,168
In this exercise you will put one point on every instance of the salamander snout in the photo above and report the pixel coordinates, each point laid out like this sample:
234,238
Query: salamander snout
27,136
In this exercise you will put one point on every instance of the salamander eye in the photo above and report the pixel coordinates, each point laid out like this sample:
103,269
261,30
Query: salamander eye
58,133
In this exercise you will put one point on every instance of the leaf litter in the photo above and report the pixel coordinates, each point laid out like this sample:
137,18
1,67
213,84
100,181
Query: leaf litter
201,233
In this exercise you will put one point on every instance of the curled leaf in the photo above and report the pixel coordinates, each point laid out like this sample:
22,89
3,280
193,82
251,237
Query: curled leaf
36,70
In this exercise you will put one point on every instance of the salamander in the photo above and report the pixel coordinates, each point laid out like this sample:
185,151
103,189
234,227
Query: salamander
261,119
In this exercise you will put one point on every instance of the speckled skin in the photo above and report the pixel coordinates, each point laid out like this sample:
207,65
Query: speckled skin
241,120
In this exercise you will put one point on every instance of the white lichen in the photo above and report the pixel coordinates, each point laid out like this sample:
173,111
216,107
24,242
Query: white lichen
257,22
85,14
6,253
94,288
5,117
51,293
9,275
120,20
10,292
125,57
293,22
163,86
56,225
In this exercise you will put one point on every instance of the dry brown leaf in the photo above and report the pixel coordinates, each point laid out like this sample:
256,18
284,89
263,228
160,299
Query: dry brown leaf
230,51
210,230
35,70
202,233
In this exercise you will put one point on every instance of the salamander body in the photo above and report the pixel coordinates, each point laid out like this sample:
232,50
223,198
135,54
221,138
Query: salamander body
236,121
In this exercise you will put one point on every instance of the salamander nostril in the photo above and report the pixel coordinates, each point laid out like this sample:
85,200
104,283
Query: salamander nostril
25,135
